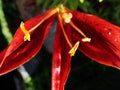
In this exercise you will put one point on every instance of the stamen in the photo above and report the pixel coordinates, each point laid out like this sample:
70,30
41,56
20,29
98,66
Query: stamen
26,32
52,12
85,39
74,48
67,17
64,33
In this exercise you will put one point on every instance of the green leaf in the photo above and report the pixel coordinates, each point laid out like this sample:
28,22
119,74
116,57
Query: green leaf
72,4
5,30
54,3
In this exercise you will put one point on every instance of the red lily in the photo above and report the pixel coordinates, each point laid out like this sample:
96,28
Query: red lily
95,37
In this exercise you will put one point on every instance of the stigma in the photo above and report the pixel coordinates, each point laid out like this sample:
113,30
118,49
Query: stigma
66,16
27,35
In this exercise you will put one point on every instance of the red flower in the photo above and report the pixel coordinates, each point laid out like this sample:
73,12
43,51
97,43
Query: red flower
96,38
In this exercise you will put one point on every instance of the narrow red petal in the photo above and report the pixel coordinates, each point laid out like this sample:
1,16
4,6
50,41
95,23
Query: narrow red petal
60,62
105,38
20,51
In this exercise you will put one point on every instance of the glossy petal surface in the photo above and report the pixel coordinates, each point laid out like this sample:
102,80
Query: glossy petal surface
105,38
60,62
20,51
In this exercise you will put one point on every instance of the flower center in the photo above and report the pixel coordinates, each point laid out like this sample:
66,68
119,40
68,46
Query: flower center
62,12
64,15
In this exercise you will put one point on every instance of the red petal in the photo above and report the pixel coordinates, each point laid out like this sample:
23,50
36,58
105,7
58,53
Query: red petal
105,38
20,51
60,62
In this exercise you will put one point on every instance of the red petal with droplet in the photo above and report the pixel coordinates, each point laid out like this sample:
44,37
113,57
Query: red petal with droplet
60,62
105,38
20,51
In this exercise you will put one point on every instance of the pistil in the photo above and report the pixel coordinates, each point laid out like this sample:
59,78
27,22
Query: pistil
67,17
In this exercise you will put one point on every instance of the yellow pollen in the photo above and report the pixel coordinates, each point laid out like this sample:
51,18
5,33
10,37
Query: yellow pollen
60,8
86,39
74,48
27,35
67,17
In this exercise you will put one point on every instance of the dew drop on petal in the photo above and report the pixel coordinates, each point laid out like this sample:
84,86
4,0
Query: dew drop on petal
109,33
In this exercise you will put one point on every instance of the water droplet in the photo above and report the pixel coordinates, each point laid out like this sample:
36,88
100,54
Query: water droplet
109,33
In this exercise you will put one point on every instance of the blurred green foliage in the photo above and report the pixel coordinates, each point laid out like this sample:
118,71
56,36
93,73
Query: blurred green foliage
4,25
107,9
84,73
9,22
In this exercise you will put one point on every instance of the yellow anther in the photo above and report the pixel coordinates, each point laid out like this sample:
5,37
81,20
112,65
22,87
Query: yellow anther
67,17
27,35
74,48
86,39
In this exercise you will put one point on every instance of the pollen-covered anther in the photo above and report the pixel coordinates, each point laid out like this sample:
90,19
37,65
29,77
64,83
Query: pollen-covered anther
27,35
67,17
86,39
74,48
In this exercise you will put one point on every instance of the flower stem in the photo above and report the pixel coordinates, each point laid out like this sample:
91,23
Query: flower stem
4,25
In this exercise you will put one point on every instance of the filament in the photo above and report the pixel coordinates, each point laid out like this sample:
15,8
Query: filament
64,33
77,29
46,17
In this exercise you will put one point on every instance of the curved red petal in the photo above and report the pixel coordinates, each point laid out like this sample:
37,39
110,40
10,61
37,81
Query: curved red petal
20,51
105,38
60,61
